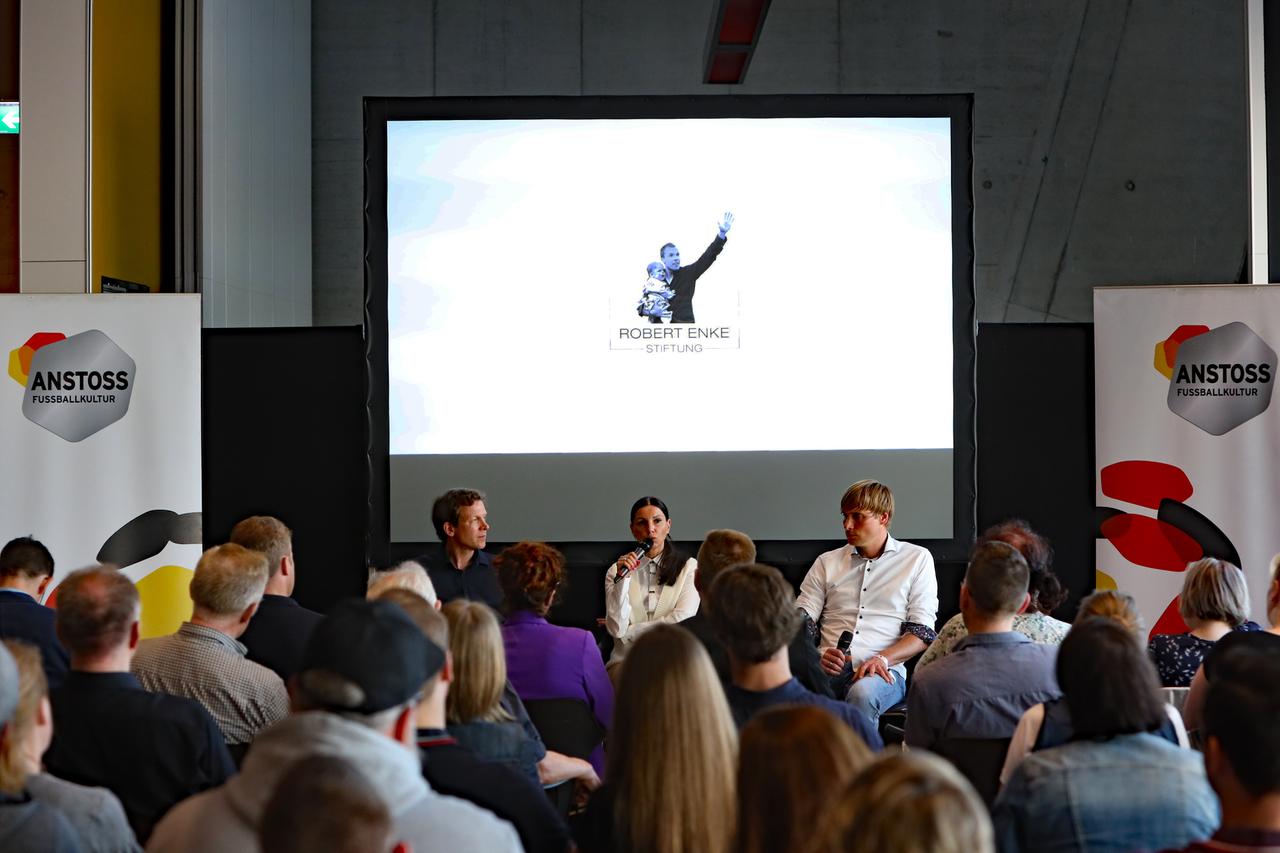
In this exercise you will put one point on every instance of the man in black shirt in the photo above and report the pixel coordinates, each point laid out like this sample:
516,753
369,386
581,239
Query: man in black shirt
151,750
280,628
684,280
459,566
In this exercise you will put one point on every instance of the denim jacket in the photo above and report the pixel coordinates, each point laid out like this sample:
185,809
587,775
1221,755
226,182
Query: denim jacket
1131,792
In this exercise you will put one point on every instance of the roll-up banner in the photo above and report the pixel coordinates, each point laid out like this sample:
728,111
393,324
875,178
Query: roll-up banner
1188,440
100,438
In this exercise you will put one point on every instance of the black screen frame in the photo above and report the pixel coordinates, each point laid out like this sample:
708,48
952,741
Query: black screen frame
378,111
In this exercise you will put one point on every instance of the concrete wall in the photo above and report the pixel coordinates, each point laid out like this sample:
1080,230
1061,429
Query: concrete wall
255,162
1110,137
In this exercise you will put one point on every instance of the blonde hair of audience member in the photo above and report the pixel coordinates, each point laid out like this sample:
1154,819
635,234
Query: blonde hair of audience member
1214,599
324,803
907,802
479,663
720,550
673,749
228,583
1112,604
781,753
270,537
30,730
407,575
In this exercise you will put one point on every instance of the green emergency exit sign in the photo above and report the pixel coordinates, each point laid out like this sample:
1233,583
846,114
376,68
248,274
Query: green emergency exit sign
8,116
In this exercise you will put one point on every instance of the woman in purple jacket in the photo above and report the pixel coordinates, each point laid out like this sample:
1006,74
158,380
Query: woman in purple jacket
546,661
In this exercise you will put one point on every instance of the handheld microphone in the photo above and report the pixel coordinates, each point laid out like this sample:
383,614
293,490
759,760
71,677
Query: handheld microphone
845,640
639,551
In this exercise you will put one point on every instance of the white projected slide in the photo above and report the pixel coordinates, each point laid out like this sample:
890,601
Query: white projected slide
530,310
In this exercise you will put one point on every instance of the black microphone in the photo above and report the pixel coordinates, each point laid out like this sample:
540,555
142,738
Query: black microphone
639,551
845,640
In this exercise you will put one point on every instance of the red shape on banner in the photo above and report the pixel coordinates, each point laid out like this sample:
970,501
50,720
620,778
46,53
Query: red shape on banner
1145,483
1180,334
40,339
1150,542
1170,622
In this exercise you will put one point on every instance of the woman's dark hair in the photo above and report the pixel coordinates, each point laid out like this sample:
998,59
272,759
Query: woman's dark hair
671,560
1047,592
529,574
1110,684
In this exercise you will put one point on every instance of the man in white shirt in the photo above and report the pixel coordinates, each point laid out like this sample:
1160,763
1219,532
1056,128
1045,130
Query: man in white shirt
882,591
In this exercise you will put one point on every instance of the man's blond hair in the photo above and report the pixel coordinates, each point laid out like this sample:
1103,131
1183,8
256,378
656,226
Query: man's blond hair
228,579
868,496
267,535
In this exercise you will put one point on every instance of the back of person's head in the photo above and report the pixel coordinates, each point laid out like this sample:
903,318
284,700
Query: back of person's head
530,573
408,575
25,558
997,578
1214,590
792,761
1240,713
1047,591
479,663
424,615
97,608
720,550
445,509
1108,681
228,579
868,496
753,611
32,688
366,660
324,803
907,802
673,748
1112,604
266,535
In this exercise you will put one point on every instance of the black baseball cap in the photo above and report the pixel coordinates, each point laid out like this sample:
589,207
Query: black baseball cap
367,656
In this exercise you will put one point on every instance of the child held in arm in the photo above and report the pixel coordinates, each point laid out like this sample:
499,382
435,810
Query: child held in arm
655,299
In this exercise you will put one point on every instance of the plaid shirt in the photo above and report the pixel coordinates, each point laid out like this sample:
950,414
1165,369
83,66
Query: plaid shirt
206,665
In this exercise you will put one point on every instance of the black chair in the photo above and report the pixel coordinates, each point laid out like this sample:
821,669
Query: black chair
979,760
893,724
569,727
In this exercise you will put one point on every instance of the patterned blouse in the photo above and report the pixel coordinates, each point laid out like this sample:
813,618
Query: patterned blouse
1178,656
1039,627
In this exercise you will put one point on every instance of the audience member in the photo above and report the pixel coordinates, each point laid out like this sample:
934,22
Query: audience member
204,660
982,688
1214,602
94,813
324,803
754,614
27,825
453,769
408,575
720,550
672,755
907,802
356,698
1046,591
459,567
149,749
280,628
792,764
26,569
1266,641
882,591
1115,786
1242,751
653,589
475,713
546,661
1048,724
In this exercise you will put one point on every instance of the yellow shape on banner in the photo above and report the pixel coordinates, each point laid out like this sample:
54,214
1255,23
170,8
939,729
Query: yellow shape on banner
1102,580
166,603
17,371
1162,364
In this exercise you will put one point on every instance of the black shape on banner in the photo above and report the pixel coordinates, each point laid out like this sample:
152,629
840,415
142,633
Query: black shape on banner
147,535
1101,515
1208,535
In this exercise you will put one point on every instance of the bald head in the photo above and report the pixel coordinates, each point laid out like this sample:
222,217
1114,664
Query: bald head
97,609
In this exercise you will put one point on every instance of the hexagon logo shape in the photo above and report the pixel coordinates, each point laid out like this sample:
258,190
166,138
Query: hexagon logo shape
78,386
1222,378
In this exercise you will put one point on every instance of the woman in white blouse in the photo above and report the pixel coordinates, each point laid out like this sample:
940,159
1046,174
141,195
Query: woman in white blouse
656,585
